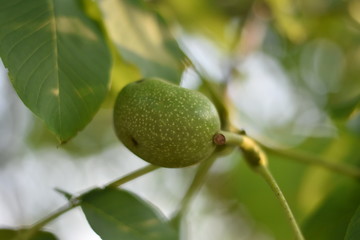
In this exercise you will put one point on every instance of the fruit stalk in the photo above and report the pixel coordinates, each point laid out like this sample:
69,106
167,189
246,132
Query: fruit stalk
257,160
266,174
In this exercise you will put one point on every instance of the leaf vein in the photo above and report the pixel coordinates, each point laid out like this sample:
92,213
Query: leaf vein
56,57
41,86
24,37
36,68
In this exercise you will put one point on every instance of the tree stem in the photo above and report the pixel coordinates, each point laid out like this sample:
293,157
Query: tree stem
257,160
76,201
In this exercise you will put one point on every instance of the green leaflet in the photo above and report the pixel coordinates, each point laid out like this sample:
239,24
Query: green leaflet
57,60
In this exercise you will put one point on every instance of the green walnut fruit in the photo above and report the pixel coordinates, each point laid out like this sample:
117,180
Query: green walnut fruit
165,124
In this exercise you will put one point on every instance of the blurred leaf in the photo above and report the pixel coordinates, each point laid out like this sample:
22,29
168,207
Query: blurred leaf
234,8
97,135
353,123
215,92
330,32
353,230
333,24
122,73
339,195
330,220
10,234
91,9
331,21
201,17
287,20
117,214
142,39
345,101
320,182
316,58
57,60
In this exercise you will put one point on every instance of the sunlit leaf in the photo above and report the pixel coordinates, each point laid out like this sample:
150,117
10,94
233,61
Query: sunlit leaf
122,73
142,39
57,60
117,214
204,17
10,234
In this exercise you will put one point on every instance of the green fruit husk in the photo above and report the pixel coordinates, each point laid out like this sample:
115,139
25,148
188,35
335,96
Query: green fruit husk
164,124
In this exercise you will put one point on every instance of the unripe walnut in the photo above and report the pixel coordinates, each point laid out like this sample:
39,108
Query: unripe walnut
165,124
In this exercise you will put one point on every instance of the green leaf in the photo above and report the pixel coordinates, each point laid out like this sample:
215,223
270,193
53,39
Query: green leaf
330,220
117,214
353,230
10,234
142,39
286,21
57,60
209,19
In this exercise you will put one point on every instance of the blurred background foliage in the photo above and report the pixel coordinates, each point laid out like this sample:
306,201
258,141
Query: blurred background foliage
288,73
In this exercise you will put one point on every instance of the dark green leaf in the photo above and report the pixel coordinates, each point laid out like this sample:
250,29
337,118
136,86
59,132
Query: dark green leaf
10,234
57,59
353,230
142,40
117,214
330,220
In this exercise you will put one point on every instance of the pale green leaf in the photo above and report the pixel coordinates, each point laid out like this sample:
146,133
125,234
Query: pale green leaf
117,214
57,59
